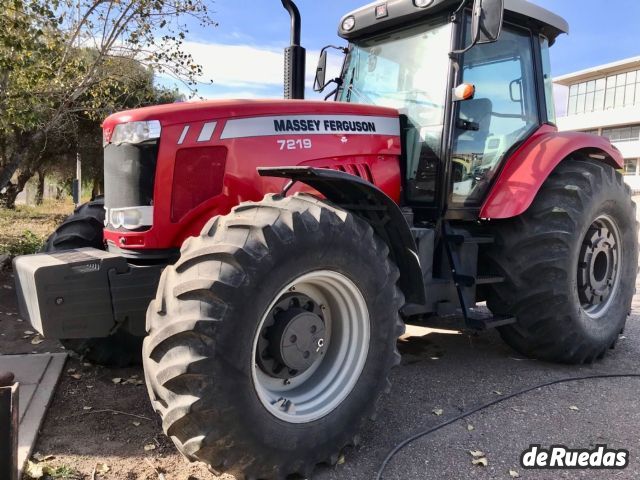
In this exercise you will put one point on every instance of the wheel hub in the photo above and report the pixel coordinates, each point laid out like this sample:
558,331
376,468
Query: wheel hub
293,339
598,265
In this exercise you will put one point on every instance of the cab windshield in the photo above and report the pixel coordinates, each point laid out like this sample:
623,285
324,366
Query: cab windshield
406,70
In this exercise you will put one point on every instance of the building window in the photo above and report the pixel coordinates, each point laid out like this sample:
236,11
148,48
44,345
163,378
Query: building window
615,91
629,133
631,166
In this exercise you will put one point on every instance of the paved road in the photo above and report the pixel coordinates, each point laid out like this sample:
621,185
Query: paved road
457,372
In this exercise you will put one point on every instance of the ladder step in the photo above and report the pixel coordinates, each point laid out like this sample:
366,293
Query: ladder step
479,240
464,280
489,279
484,319
493,322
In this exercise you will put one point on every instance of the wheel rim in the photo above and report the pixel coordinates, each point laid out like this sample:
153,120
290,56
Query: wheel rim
317,386
599,266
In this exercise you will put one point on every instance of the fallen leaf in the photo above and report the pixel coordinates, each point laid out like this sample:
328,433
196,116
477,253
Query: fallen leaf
37,340
71,370
497,392
136,424
37,470
514,474
86,364
42,458
480,461
470,427
476,453
89,386
149,447
29,332
116,380
341,460
437,411
102,468
19,320
77,376
519,410
574,408
87,408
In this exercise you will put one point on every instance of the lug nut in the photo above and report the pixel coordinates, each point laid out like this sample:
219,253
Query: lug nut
306,354
293,339
59,301
314,329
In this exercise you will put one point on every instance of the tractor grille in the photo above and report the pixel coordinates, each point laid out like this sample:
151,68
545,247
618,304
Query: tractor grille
129,175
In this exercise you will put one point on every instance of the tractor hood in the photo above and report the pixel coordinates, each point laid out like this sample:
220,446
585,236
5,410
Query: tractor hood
192,161
216,110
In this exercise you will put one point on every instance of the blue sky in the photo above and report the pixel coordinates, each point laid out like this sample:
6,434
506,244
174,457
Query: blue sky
243,55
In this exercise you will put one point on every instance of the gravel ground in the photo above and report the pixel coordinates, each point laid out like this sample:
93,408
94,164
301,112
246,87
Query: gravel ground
453,373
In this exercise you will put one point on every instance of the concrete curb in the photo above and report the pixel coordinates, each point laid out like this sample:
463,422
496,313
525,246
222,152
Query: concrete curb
38,376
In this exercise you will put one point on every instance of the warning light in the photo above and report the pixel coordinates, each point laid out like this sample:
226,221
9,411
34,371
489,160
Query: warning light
382,11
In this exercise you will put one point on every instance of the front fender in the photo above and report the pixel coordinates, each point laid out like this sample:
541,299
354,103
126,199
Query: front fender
367,201
528,168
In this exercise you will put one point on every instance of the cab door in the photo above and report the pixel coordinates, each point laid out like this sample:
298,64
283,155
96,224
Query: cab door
503,113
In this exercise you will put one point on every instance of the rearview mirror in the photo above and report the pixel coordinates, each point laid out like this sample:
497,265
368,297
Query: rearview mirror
486,24
321,73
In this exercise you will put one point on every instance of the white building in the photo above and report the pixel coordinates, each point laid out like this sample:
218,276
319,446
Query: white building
605,100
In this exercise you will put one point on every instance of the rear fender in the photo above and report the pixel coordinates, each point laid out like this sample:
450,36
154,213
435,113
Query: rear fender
527,169
367,201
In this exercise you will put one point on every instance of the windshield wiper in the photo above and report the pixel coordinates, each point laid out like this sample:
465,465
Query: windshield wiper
360,94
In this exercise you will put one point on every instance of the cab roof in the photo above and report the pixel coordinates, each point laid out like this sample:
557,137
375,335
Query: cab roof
404,12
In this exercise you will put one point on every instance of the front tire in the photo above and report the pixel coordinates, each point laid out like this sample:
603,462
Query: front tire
222,362
570,264
85,229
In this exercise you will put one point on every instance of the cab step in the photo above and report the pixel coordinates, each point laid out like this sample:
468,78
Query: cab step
458,239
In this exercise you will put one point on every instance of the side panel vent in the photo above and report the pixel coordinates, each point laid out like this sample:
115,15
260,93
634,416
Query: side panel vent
362,170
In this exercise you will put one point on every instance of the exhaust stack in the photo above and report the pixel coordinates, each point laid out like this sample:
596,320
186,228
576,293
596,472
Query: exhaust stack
294,56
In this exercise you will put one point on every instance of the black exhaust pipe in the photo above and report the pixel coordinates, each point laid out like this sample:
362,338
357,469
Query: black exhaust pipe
294,57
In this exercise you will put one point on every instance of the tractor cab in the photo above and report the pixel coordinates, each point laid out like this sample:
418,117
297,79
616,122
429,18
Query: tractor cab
471,86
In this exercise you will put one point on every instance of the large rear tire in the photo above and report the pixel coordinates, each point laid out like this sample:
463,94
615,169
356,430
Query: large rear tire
272,338
84,228
570,264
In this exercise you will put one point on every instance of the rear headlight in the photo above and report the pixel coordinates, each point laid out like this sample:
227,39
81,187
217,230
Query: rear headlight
198,176
131,218
136,132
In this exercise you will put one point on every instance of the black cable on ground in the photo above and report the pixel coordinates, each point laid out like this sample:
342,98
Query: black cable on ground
429,431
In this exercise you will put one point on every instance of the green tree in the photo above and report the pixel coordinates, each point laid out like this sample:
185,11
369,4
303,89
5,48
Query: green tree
64,60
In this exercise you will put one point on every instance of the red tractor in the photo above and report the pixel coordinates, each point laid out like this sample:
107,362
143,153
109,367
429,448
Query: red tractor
278,248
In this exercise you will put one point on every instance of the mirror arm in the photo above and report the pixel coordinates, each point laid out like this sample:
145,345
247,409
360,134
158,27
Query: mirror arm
338,81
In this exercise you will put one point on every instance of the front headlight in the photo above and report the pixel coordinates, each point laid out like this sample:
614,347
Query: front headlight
136,132
131,218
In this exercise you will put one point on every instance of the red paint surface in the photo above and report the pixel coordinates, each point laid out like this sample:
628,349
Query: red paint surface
528,168
374,157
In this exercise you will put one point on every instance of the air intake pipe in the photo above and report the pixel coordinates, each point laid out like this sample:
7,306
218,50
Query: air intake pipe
294,56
